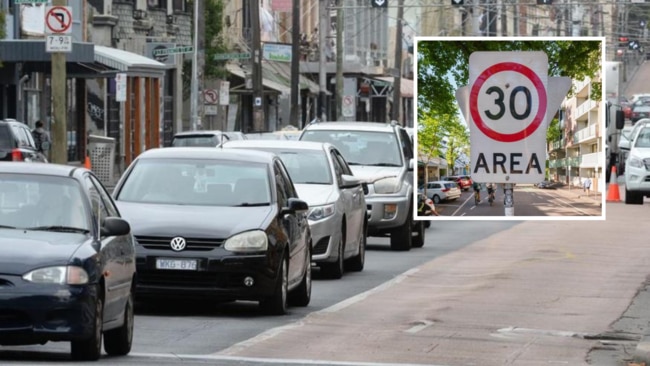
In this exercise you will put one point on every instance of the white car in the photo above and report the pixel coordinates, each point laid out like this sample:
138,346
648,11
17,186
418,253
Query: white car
637,167
337,206
441,191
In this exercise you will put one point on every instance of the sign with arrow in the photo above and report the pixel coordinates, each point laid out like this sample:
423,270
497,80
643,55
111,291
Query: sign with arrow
58,19
379,3
458,2
508,104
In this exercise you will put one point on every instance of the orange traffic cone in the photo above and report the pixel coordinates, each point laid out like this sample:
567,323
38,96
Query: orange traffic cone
87,164
613,194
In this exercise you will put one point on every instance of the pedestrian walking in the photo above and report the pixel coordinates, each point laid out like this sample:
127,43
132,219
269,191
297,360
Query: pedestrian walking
586,185
41,137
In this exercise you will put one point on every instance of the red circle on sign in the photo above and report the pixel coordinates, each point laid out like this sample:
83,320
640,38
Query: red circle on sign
473,101
63,27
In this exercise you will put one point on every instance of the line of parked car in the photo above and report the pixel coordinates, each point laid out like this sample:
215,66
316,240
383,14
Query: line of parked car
219,216
447,189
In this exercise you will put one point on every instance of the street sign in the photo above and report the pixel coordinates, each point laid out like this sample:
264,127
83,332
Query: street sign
172,51
232,56
210,96
58,43
210,110
58,19
348,106
152,47
31,1
120,87
508,107
458,2
379,3
224,93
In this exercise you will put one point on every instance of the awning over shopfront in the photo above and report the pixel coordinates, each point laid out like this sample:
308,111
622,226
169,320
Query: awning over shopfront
130,63
33,57
406,85
276,76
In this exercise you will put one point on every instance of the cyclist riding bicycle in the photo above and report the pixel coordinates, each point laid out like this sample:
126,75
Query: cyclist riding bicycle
491,189
477,190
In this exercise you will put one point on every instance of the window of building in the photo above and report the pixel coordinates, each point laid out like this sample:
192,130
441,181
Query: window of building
180,5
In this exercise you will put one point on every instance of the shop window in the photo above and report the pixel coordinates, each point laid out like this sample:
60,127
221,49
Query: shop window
180,5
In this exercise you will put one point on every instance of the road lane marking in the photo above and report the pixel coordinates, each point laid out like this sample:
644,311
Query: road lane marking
463,204
423,325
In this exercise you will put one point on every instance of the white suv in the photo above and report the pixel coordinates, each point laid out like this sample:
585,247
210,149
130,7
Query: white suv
381,155
637,167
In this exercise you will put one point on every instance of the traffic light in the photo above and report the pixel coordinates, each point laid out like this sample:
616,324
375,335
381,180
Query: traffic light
544,2
623,42
633,45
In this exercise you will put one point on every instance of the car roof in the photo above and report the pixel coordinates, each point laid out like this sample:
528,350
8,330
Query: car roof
11,121
253,156
357,126
61,170
278,144
199,133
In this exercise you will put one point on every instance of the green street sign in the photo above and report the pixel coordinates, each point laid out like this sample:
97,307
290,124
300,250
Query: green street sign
232,56
172,51
30,1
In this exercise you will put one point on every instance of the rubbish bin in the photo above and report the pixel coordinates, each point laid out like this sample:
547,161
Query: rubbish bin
101,151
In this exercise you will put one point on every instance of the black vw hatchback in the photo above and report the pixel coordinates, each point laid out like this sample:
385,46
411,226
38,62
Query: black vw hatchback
217,224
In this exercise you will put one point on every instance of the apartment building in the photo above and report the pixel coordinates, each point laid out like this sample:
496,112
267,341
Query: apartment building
578,153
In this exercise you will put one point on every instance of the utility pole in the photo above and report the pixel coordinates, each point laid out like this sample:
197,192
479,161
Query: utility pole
194,83
59,105
397,84
258,89
295,64
322,59
339,61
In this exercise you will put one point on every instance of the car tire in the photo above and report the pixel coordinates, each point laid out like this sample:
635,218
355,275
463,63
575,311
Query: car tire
277,303
357,262
301,296
119,341
91,349
335,270
427,224
435,199
418,240
633,198
402,237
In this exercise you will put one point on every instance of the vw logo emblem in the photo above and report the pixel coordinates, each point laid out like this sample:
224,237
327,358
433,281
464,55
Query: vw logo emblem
177,244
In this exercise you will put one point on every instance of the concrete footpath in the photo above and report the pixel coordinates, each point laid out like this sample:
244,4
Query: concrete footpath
540,293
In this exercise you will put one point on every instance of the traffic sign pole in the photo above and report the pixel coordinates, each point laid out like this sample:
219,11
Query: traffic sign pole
61,24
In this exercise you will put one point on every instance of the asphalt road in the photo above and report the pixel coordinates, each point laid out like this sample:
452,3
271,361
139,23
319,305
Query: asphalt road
167,333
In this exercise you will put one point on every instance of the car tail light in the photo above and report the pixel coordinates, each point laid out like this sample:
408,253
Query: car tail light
16,155
445,189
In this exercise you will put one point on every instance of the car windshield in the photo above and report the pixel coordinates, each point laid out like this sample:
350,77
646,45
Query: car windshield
361,147
305,166
196,141
36,201
197,182
643,139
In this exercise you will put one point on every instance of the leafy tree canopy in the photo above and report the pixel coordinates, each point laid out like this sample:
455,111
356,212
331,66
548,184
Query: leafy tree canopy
444,65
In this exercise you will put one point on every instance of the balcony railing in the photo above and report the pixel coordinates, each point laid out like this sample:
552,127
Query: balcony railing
592,160
584,108
587,133
573,161
557,144
556,163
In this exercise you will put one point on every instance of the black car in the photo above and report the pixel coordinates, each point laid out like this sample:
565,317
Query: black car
68,261
217,224
17,143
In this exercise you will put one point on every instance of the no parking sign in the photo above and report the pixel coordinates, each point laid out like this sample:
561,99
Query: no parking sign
508,103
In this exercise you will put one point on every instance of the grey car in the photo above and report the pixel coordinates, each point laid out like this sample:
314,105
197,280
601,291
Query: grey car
337,215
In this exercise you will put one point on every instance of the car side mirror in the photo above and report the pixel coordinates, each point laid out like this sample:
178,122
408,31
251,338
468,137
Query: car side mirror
620,120
411,164
349,181
45,145
365,188
295,205
115,226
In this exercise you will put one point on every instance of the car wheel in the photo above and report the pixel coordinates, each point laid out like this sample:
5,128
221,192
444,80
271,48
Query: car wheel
302,294
335,270
118,341
435,199
91,349
427,224
401,238
633,198
418,240
276,304
357,262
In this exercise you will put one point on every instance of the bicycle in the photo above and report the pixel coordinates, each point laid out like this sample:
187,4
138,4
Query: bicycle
477,197
491,197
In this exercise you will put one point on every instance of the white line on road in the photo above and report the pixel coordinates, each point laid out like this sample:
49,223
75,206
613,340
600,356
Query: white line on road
463,204
423,324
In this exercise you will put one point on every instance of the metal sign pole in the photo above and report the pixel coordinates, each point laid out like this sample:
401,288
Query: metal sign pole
509,200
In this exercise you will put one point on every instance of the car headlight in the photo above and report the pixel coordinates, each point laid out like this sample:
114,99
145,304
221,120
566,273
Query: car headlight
70,275
635,162
320,212
250,241
388,185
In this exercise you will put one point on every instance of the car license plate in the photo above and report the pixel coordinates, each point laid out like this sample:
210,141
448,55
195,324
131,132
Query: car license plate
178,264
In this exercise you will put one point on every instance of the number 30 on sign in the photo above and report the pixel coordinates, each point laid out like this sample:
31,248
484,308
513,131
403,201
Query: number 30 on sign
58,43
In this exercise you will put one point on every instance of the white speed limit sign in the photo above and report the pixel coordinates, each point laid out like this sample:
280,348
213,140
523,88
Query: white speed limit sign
508,106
